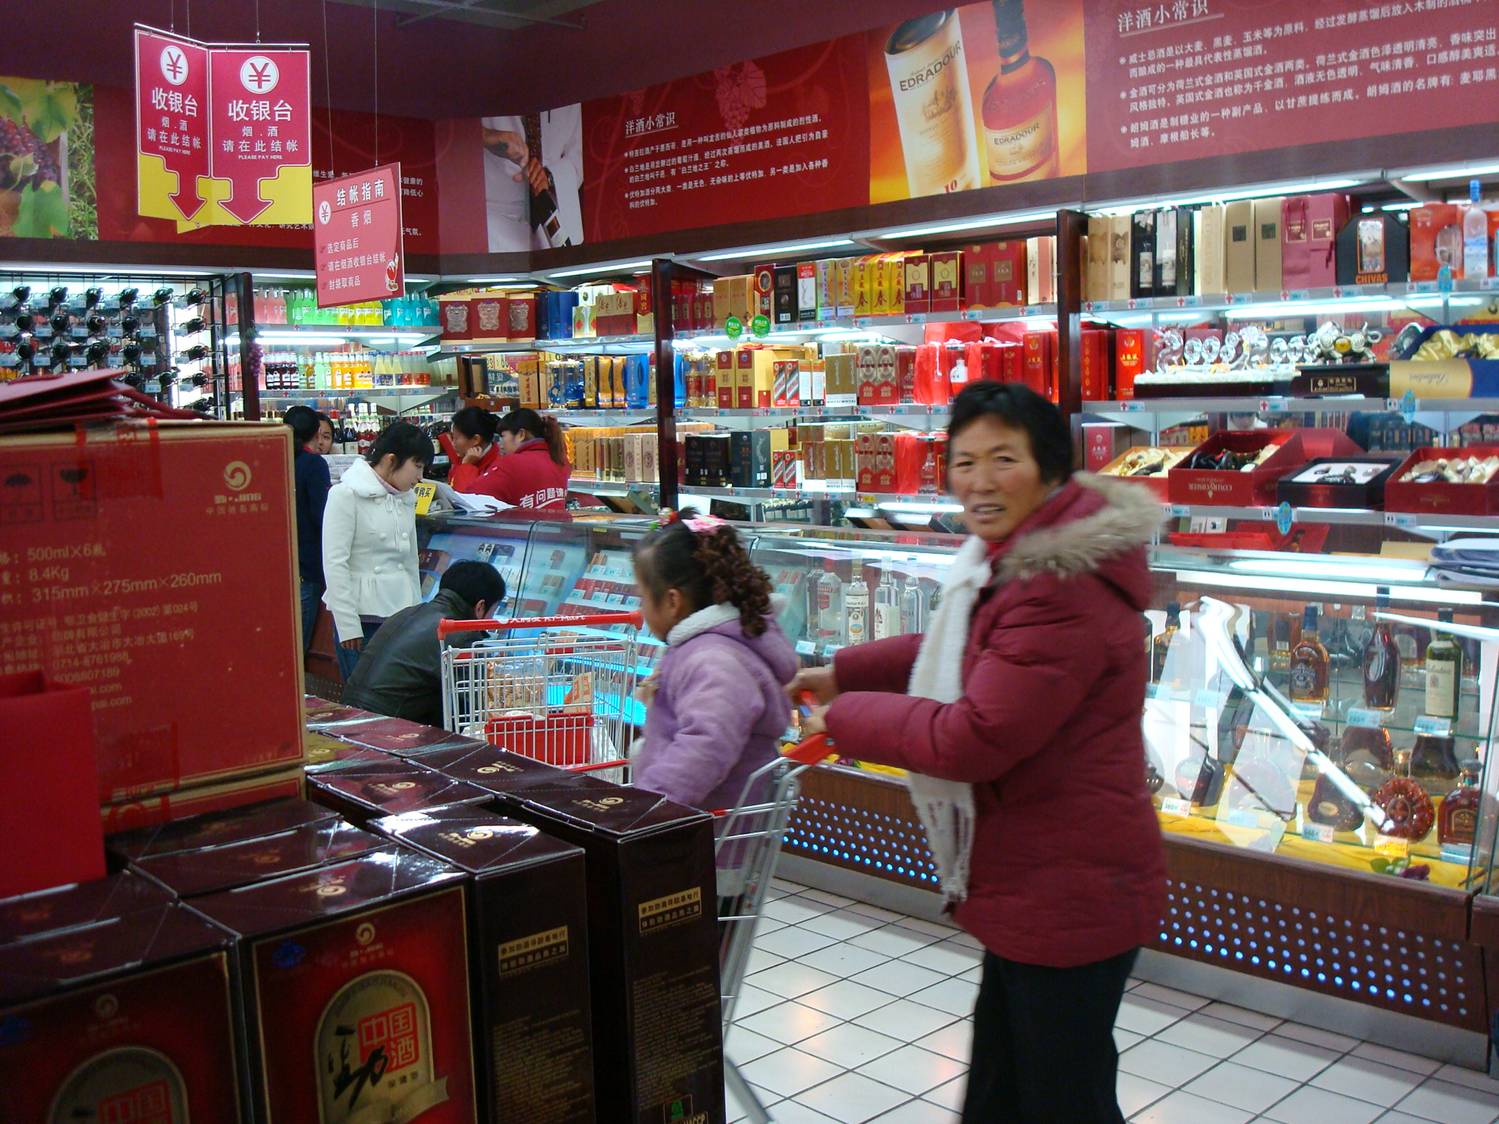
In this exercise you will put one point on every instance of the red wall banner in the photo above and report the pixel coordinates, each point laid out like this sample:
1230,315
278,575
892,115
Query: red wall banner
356,224
172,131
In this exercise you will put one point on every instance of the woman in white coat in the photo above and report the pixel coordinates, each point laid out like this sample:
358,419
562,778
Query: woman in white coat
369,539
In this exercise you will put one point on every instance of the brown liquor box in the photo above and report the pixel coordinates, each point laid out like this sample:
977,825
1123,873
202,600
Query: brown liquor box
1096,272
947,281
761,294
216,829
1008,272
363,796
785,295
528,934
1119,257
172,536
164,807
78,904
497,770
1208,238
723,307
1239,246
328,755
192,873
129,1019
1267,246
399,737
653,944
354,991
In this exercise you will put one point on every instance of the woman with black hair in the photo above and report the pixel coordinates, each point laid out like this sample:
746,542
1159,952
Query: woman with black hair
369,539
520,459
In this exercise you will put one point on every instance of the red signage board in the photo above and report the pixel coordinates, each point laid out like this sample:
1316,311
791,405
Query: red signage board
171,123
262,128
358,237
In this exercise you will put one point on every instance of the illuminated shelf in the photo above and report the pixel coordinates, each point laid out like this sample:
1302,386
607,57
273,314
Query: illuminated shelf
875,323
1270,404
1347,516
646,415
1375,297
367,392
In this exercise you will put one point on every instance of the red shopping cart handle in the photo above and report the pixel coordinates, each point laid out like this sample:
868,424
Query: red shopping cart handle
447,628
811,751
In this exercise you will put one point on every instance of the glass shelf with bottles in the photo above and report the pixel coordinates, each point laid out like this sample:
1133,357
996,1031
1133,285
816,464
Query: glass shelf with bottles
297,308
1354,737
347,370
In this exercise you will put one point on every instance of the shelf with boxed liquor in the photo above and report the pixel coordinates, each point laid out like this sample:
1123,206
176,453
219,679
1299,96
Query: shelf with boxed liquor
1352,298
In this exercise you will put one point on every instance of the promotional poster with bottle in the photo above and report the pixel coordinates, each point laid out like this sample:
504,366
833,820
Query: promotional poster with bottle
979,96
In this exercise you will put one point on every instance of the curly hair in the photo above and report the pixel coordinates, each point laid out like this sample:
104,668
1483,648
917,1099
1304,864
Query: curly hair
710,568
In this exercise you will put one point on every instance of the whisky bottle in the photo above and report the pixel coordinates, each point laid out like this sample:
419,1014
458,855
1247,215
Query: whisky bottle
1381,661
1407,809
1444,672
1161,646
1309,663
1199,778
929,85
1457,818
1020,105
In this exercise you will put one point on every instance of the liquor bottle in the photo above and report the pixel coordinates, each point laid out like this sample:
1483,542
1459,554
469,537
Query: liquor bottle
92,297
856,607
1331,806
193,296
928,484
56,296
195,354
1199,778
1475,236
1407,809
15,298
886,605
929,85
1309,663
1367,755
912,606
544,213
1457,818
1433,762
162,296
1444,672
191,327
829,606
127,296
1020,105
1381,661
1154,782
1161,646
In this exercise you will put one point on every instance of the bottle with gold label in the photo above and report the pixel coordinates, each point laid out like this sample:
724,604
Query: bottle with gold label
1457,818
1020,105
1309,663
1444,672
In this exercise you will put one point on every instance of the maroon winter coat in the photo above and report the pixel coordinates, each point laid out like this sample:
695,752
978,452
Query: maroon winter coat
1067,866
529,477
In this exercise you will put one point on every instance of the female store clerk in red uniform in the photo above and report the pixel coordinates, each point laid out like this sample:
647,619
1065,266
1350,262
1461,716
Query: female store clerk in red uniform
533,471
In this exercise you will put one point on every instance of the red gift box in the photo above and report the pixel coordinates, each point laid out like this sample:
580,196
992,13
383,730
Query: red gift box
1309,226
1007,267
1040,363
1129,360
1238,489
52,835
911,453
1443,498
490,318
1095,364
520,314
976,261
457,322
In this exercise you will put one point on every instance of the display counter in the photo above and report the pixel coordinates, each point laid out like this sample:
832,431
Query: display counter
1316,734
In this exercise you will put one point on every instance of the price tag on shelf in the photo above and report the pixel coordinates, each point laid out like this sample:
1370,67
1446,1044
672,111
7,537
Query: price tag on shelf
114,332
146,332
1191,301
1422,287
1238,298
1181,511
973,314
1431,724
78,333
1317,832
1367,718
1408,406
1133,406
1176,806
44,331
1488,284
1285,517
1296,295
1402,519
916,318
862,321
1391,846
1089,306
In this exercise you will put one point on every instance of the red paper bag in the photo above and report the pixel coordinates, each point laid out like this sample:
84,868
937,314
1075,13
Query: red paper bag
50,832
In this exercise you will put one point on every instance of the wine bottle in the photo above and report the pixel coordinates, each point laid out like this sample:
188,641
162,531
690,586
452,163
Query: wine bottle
192,297
92,296
191,327
1444,672
16,297
128,296
56,296
162,296
1161,646
1381,661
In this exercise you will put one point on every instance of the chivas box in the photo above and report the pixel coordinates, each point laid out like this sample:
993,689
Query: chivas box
361,796
1373,249
192,873
652,941
78,904
149,546
354,991
216,829
127,1020
528,934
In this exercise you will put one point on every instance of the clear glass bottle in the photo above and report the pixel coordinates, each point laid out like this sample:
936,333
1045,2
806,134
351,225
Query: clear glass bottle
1381,661
829,606
1309,663
1444,672
1475,236
886,621
856,607
912,606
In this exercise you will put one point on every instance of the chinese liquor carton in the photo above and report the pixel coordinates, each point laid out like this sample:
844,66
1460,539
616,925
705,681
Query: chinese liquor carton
78,904
947,280
215,829
127,1019
1208,235
528,942
151,545
164,807
407,787
399,737
653,944
1239,246
494,768
354,991
918,282
489,318
192,873
457,319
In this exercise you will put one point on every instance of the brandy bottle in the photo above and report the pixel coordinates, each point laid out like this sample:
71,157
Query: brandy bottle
1434,762
1407,809
1199,778
1457,818
1020,105
1381,662
1367,755
1309,663
1331,806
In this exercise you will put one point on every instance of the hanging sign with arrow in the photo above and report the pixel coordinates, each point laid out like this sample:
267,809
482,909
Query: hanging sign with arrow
244,156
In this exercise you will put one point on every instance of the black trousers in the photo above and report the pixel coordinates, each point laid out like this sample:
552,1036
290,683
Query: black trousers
1043,1043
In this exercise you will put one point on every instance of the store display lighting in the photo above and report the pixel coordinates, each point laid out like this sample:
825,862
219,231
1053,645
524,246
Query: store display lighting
917,507
1280,584
1018,218
100,270
1389,573
509,282
287,275
584,271
312,339
1471,631
1140,319
1447,172
1301,187
774,251
1272,309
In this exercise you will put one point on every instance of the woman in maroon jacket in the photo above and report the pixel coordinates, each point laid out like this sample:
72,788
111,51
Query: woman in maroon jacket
526,466
1018,715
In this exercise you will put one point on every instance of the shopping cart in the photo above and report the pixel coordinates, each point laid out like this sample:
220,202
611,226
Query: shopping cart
557,689
748,845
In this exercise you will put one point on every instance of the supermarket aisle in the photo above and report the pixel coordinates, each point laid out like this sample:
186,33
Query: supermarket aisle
853,1013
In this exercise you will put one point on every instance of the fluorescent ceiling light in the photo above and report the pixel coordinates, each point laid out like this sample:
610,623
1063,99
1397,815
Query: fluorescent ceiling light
289,275
1329,589
1304,187
1274,309
1016,219
311,338
913,507
771,251
1448,172
622,267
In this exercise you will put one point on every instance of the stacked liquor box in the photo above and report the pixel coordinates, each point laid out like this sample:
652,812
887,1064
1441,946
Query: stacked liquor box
215,829
528,941
158,544
366,793
194,873
78,904
129,1017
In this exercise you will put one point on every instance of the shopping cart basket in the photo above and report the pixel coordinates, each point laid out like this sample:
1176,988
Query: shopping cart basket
557,689
748,845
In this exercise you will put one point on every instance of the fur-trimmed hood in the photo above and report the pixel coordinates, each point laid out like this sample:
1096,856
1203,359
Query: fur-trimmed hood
1091,525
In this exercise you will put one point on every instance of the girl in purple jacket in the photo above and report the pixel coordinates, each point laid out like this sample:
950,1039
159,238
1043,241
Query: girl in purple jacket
719,706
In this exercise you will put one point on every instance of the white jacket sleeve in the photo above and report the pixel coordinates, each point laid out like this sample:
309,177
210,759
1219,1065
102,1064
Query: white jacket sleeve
339,519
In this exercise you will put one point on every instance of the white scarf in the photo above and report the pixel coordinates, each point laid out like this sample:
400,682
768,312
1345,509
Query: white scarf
946,807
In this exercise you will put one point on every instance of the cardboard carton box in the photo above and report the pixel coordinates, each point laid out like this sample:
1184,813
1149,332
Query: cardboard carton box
862,275
947,281
361,796
785,295
1239,246
918,283
216,829
528,936
846,286
1009,272
761,294
1208,239
1096,277
1436,239
976,266
191,874
806,290
1267,245
1119,257
1095,365
491,318
78,904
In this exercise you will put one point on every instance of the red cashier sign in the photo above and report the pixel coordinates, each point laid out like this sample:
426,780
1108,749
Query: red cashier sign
357,234
171,120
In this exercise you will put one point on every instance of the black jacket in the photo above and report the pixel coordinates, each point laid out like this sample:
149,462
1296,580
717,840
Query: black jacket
311,472
400,671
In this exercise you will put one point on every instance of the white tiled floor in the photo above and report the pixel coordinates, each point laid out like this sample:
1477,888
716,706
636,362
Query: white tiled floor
853,1013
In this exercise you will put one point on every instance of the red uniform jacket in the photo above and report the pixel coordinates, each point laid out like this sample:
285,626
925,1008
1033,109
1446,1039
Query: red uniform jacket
1068,866
528,477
